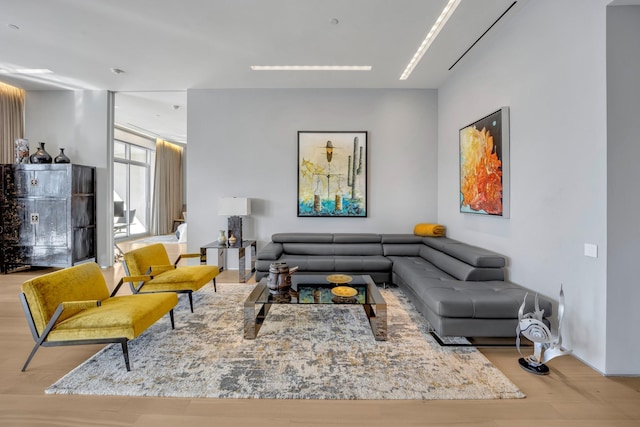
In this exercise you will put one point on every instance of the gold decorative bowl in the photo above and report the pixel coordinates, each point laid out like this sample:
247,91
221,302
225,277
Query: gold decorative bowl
339,278
344,291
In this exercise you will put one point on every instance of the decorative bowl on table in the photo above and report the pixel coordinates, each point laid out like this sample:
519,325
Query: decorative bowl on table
344,295
339,278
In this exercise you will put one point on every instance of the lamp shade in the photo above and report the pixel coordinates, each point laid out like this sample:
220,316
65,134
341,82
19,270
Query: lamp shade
234,206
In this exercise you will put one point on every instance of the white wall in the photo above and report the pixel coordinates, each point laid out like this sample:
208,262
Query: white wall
623,176
244,143
78,122
548,64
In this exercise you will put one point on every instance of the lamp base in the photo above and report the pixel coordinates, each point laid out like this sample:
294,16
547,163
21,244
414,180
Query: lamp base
234,225
533,368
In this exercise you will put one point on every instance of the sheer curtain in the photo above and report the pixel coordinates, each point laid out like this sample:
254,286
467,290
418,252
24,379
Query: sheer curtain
167,187
11,121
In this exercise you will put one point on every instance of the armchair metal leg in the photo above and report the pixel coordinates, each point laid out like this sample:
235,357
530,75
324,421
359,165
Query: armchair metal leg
125,353
173,325
214,285
190,300
33,352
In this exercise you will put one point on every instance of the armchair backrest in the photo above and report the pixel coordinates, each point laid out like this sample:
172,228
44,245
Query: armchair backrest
78,283
139,260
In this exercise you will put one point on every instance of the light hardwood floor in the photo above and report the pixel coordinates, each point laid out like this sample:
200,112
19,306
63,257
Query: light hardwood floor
572,395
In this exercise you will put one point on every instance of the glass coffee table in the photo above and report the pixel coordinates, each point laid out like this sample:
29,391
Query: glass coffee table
316,289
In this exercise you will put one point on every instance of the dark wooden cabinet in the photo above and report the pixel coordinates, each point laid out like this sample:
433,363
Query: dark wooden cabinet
51,209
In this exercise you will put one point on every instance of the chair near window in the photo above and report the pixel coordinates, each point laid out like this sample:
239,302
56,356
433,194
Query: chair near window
152,260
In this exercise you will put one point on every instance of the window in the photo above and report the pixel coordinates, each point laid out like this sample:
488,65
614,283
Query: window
131,189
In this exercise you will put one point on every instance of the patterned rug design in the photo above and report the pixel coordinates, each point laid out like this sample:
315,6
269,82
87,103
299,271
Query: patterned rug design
302,352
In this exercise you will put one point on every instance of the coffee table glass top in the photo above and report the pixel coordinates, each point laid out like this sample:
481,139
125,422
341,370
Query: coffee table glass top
315,289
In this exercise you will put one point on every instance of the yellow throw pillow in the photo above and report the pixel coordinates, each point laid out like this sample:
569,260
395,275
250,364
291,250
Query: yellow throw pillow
429,230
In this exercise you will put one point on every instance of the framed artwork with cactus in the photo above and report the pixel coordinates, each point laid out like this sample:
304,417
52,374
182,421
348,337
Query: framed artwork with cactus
484,165
332,174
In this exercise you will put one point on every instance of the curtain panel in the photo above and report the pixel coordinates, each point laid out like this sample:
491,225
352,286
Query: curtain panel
11,121
167,187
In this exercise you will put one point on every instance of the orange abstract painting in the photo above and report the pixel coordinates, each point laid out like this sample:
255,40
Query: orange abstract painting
483,157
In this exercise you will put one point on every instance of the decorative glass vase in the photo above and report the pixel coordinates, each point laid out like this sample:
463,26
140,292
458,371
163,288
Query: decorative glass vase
41,155
222,239
62,158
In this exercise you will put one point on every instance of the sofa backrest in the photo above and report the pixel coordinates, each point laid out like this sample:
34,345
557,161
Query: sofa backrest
473,255
459,269
340,249
139,260
401,244
302,238
82,282
327,244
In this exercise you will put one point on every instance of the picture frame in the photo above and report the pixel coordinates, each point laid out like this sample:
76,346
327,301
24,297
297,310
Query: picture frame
332,174
484,165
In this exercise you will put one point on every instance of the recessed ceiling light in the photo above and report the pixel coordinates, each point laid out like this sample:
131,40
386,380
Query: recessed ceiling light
433,33
13,26
311,67
117,71
334,21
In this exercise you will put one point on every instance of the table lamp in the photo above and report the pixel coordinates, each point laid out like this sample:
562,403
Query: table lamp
235,207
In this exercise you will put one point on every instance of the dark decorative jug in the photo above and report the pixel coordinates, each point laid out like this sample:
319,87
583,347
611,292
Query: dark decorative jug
279,280
41,155
62,158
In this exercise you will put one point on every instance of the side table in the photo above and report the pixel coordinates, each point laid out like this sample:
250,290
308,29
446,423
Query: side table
242,249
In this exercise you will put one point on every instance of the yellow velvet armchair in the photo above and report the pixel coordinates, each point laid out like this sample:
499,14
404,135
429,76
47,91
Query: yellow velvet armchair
73,306
153,261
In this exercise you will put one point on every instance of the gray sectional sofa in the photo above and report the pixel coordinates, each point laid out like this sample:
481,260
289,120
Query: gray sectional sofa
460,289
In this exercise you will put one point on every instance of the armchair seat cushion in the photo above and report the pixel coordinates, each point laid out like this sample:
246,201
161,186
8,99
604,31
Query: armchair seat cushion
188,277
124,316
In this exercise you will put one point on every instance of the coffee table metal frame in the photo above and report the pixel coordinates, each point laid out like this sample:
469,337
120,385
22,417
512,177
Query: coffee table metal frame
258,304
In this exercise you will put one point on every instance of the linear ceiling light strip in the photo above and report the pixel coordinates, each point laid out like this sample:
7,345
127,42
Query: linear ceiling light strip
433,33
311,67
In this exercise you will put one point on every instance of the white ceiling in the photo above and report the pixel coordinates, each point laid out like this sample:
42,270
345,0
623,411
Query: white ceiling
166,47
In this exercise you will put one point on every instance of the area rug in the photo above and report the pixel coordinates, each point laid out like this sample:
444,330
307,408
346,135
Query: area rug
301,352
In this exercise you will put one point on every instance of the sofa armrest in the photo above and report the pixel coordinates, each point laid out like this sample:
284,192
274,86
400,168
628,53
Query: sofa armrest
271,252
130,280
181,256
80,305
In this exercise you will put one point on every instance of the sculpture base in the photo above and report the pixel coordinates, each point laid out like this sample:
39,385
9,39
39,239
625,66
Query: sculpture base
533,368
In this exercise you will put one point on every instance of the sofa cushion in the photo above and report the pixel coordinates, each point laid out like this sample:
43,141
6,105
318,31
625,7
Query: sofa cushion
415,270
362,263
484,300
391,249
364,249
319,249
122,316
271,251
309,262
338,263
